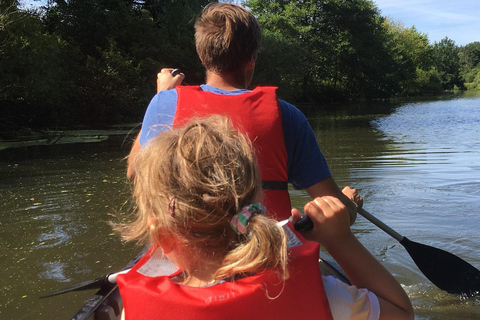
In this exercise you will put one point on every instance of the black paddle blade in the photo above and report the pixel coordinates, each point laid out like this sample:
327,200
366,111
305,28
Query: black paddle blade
92,284
443,269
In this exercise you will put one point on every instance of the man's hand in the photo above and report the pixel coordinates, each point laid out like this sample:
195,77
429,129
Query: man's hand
167,81
353,195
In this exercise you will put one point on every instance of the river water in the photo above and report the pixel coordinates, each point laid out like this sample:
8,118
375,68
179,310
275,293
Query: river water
417,164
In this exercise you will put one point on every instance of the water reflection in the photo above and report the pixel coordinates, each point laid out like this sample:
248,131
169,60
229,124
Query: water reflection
54,271
418,167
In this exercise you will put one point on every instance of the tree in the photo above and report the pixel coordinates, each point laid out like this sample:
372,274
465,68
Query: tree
35,85
469,56
340,46
414,56
90,62
123,44
447,62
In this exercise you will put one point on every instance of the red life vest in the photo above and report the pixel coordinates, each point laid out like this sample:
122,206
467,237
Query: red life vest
257,114
262,296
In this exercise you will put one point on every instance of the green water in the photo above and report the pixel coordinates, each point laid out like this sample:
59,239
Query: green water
416,163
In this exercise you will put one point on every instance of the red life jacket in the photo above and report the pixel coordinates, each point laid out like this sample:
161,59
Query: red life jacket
262,296
257,114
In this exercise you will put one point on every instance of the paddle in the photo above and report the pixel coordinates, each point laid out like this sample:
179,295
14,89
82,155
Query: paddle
91,284
443,269
110,278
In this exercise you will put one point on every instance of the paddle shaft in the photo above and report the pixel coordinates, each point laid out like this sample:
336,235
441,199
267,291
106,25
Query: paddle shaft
306,224
112,278
381,225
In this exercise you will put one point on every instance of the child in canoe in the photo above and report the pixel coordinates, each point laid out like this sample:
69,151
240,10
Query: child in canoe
198,196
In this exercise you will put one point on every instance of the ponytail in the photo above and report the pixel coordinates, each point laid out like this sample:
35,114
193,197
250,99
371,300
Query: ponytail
264,247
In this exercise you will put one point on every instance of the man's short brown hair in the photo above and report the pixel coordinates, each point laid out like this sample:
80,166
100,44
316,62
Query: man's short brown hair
226,37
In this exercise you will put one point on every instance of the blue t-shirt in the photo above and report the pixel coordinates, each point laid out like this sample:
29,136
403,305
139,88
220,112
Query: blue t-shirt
306,163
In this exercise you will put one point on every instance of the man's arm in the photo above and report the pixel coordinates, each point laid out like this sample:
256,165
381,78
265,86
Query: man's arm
303,151
349,197
165,81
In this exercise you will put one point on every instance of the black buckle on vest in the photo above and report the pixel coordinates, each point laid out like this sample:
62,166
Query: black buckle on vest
274,185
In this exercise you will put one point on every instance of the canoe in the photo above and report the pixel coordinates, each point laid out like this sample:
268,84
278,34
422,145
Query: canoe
106,303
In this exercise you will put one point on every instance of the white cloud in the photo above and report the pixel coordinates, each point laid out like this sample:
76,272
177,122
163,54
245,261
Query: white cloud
457,20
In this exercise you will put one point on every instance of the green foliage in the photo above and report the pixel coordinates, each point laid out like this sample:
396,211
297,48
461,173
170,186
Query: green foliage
447,62
426,82
473,79
414,58
90,62
469,56
340,50
94,62
277,69
7,10
35,83
110,86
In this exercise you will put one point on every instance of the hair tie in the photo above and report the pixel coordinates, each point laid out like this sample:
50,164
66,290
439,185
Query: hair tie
240,220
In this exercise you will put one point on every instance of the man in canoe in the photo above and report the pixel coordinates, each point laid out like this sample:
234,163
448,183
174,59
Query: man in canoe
197,190
228,40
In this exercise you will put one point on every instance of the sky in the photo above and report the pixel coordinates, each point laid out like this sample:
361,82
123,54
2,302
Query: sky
459,20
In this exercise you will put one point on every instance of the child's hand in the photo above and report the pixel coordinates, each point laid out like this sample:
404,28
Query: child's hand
330,219
296,215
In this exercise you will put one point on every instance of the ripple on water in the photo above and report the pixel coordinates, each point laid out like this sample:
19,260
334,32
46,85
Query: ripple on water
54,271
434,304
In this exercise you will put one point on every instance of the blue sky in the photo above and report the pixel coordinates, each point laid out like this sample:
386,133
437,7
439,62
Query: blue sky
458,20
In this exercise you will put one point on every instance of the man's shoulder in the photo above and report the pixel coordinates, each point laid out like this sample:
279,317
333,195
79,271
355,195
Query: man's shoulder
286,104
165,94
290,111
164,98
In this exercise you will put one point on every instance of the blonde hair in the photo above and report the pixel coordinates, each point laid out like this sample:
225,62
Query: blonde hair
226,37
190,182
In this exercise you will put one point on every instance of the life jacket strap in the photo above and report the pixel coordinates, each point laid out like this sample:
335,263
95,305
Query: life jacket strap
274,185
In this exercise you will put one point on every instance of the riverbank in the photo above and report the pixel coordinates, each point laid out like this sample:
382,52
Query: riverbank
30,137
